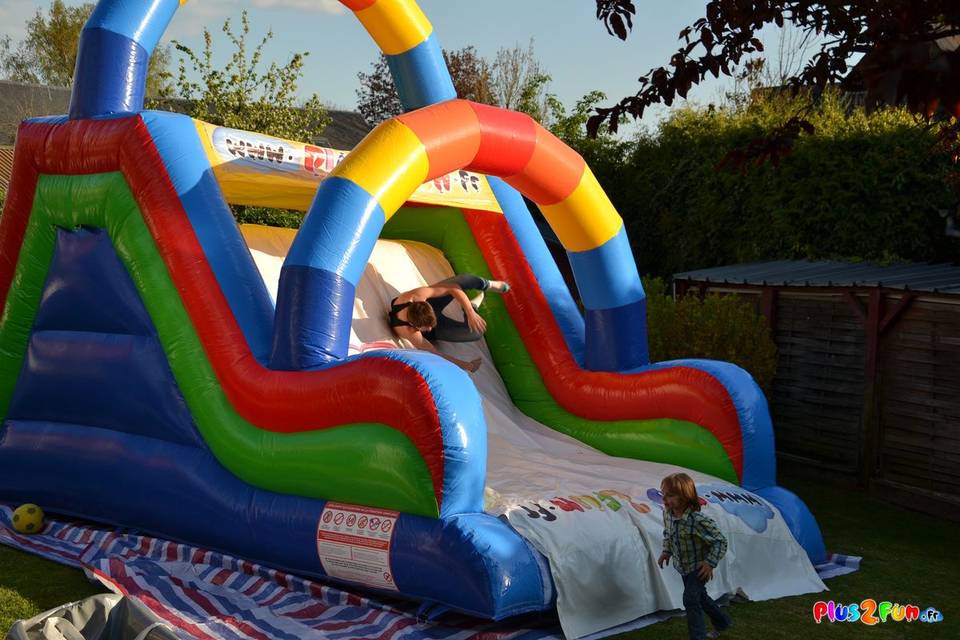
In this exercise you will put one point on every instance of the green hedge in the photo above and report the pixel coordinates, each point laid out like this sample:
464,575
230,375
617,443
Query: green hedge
718,327
271,217
865,187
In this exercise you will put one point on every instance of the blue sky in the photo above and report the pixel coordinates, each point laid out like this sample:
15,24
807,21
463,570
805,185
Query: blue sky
570,43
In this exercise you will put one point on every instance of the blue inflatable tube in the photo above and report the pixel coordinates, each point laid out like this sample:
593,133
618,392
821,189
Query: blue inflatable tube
114,54
175,137
473,562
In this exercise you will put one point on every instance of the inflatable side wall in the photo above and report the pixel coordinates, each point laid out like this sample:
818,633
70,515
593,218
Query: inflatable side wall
146,379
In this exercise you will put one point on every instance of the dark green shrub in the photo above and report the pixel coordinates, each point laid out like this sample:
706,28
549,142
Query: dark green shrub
270,217
719,327
865,187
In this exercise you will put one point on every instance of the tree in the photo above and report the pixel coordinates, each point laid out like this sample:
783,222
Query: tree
241,96
605,154
514,80
377,97
471,75
48,53
867,187
520,82
892,35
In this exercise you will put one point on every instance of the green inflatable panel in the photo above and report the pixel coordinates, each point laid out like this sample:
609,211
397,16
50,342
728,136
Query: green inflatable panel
660,440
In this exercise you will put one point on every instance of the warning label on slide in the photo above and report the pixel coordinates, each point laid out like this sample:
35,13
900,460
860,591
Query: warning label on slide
354,543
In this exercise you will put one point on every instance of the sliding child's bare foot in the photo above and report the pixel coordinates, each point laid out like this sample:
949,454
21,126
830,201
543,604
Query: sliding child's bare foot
498,286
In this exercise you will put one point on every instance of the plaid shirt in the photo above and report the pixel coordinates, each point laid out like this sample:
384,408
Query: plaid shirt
692,538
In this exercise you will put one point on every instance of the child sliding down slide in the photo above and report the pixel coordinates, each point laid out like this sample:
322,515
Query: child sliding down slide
417,315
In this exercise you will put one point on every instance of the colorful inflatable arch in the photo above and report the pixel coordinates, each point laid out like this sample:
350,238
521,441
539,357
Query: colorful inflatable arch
147,380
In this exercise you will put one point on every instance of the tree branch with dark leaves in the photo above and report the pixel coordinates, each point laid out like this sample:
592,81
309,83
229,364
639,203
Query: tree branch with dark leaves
617,15
890,33
772,148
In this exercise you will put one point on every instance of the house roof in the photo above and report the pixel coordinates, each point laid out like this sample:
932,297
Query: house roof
934,52
937,278
345,131
19,101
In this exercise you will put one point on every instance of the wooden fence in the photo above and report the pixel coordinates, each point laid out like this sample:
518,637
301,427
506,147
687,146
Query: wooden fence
867,388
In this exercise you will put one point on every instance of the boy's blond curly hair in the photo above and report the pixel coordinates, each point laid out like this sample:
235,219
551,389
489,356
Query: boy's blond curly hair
682,485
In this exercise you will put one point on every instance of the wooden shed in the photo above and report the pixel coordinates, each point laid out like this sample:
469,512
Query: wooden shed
868,374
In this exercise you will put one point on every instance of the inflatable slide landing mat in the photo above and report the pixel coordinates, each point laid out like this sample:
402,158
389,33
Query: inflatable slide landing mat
597,518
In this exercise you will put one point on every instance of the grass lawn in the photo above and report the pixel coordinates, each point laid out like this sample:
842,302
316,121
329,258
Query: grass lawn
908,558
29,584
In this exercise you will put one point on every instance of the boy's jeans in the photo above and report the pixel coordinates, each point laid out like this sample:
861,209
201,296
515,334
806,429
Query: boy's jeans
696,602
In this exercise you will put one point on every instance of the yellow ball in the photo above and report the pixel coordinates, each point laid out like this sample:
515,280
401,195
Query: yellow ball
28,518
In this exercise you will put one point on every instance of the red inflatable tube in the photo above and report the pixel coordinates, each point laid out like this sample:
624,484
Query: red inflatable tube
680,393
358,5
460,134
450,132
507,141
553,173
16,214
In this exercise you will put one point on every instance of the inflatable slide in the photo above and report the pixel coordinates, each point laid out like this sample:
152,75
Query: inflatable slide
162,369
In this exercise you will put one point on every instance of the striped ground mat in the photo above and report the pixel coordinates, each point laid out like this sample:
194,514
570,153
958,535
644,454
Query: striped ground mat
213,596
838,565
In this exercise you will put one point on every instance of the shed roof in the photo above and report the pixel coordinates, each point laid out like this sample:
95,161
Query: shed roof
938,278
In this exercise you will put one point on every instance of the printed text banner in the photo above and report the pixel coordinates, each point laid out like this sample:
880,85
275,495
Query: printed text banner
259,170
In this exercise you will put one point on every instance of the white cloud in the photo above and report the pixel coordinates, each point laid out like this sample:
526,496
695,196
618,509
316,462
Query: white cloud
13,17
192,17
188,21
313,6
